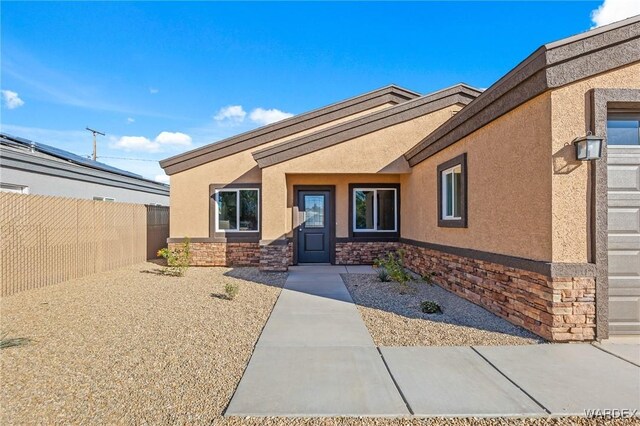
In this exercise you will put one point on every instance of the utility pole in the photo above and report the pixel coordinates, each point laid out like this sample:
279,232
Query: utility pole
95,145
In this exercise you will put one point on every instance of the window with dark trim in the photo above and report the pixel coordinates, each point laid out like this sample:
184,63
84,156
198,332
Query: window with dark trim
234,214
452,193
374,211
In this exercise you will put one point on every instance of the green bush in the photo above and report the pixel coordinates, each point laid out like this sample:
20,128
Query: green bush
383,275
430,307
231,290
394,265
177,258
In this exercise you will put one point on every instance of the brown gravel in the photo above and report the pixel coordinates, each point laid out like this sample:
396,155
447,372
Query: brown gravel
131,346
395,319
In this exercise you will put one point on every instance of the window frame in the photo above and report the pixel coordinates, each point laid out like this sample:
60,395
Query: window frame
217,229
448,166
14,188
622,114
374,234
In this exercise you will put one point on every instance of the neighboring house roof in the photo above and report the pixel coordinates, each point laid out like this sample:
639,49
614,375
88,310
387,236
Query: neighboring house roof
35,157
287,127
458,94
551,66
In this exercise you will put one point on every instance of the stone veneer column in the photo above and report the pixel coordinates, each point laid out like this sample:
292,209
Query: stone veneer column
275,256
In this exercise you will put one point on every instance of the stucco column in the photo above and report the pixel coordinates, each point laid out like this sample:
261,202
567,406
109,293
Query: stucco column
275,250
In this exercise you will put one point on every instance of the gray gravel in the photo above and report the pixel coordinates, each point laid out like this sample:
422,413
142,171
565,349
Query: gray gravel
131,346
395,319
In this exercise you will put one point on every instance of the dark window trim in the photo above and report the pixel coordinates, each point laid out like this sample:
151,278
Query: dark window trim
233,237
460,160
378,235
332,218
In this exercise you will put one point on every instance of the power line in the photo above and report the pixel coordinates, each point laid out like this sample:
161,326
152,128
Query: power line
131,159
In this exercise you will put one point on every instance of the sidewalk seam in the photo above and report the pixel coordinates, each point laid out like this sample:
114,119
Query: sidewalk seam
615,355
393,379
511,381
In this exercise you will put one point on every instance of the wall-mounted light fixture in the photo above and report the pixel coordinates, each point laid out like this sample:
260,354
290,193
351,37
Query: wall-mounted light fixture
588,147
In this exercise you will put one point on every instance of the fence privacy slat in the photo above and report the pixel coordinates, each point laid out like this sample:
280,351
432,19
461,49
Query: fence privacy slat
46,240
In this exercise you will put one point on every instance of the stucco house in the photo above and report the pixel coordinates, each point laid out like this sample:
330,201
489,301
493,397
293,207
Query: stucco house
481,187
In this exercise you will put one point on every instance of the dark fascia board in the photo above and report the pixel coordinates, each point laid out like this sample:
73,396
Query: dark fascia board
550,66
34,164
458,94
287,127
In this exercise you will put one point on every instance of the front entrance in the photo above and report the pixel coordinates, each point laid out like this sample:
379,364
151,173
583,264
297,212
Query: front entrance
314,234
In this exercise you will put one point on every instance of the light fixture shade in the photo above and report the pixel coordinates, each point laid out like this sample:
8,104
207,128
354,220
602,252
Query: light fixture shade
588,147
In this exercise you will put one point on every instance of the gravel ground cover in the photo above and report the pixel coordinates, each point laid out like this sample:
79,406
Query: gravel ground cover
395,319
131,346
134,347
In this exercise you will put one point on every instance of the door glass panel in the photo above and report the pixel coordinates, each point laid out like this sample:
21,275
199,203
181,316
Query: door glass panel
386,210
227,210
364,209
249,210
623,129
314,211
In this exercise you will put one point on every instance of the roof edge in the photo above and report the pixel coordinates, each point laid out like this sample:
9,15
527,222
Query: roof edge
551,66
256,137
459,93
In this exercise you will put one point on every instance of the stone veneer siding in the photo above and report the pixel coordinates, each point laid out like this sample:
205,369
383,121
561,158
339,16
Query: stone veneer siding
276,257
223,254
558,309
362,253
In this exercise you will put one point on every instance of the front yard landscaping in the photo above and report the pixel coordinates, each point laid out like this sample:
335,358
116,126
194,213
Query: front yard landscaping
135,346
131,346
394,316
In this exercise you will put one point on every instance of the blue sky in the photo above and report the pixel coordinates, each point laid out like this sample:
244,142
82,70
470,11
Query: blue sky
159,78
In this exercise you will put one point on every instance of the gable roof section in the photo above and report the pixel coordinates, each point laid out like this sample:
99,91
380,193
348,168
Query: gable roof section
551,66
459,94
287,127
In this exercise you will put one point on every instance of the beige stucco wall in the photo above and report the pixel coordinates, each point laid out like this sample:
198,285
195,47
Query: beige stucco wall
509,187
378,153
570,118
341,183
527,195
190,189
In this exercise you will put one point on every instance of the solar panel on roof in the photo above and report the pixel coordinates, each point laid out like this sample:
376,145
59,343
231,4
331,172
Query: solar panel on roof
69,156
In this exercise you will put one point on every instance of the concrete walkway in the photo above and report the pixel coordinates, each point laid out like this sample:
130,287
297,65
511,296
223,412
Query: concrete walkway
315,357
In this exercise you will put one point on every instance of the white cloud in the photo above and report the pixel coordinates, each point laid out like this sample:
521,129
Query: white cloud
130,120
141,143
268,116
233,113
137,143
162,178
11,99
153,90
614,10
173,138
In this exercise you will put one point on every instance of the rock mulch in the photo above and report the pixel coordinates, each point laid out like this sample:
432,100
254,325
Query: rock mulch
131,346
395,319
134,347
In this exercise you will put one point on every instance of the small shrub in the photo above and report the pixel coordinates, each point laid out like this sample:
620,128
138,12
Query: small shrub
9,342
428,277
231,290
430,307
394,266
177,258
383,275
